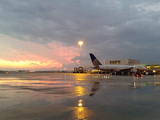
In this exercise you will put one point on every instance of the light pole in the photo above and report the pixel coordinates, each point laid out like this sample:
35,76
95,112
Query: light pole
80,44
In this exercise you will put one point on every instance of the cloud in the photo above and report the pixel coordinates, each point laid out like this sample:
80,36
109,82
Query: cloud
111,29
35,55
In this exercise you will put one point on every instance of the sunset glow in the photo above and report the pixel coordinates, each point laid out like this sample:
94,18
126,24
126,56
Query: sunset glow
28,64
27,54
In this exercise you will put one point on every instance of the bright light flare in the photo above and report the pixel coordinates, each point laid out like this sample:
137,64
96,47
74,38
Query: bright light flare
80,43
80,104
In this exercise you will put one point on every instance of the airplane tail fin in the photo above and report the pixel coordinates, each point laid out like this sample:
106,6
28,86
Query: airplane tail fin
95,61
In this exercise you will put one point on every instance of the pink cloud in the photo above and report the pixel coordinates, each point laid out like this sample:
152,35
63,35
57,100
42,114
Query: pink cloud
53,54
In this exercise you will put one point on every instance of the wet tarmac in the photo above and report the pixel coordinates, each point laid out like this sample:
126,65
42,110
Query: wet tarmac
66,96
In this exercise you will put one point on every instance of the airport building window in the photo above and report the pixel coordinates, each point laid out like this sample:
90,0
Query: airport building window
114,62
153,66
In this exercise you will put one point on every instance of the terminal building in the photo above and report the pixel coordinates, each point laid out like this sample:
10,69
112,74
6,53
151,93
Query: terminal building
122,62
153,68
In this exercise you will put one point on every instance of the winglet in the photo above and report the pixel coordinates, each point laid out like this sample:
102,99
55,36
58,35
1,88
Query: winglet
95,61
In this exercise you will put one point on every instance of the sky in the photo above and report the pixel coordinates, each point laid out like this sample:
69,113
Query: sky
44,35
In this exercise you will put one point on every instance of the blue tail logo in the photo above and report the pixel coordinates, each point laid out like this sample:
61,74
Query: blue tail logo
95,61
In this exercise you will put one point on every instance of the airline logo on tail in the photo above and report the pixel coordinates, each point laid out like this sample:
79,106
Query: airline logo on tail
94,60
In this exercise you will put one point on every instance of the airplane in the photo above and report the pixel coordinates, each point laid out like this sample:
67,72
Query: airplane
114,68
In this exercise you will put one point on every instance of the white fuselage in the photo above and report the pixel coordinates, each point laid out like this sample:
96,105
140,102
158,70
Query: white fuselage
120,67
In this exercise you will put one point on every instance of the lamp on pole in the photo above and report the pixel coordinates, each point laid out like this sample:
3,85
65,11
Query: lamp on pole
80,44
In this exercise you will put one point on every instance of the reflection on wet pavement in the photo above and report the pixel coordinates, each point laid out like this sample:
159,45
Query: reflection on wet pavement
67,96
95,87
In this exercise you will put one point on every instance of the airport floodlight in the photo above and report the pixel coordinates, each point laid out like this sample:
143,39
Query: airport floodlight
80,43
